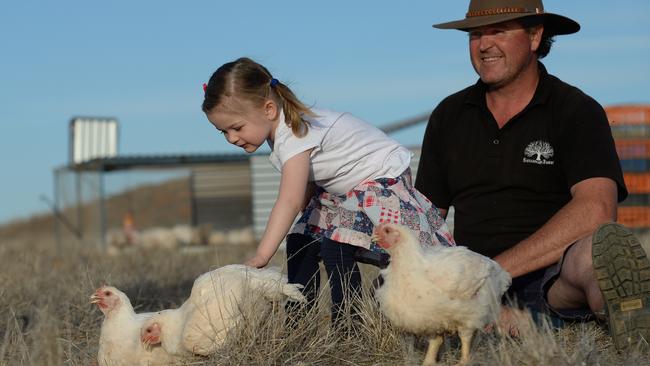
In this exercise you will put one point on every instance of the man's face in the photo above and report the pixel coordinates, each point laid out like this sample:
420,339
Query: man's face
501,52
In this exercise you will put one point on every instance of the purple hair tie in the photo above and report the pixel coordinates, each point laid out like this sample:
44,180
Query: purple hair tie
274,82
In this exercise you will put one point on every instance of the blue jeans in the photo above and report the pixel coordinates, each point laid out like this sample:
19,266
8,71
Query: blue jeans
303,255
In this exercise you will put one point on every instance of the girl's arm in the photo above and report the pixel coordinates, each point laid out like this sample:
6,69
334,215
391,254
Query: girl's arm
309,193
293,185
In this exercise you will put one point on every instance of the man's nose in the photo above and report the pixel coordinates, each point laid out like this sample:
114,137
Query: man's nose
485,41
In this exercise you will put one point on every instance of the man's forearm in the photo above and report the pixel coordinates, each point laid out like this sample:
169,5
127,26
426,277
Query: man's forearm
576,220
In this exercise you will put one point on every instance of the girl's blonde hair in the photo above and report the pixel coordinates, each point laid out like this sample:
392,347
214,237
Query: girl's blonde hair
244,80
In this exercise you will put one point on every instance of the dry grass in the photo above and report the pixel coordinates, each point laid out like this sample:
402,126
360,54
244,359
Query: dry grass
46,317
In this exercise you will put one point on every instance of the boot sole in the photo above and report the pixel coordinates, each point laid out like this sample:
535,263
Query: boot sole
623,273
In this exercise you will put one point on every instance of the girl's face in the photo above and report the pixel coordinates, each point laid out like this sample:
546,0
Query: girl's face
248,130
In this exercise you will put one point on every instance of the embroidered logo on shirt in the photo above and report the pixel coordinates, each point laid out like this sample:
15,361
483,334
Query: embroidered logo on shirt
538,152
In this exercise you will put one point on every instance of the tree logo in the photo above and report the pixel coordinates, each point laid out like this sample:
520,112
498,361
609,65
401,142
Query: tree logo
538,152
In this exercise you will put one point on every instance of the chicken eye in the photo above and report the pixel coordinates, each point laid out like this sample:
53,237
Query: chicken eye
107,293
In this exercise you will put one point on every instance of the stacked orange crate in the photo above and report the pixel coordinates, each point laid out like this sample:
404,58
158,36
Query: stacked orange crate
631,130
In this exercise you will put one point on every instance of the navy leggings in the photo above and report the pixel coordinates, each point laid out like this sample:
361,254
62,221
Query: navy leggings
303,255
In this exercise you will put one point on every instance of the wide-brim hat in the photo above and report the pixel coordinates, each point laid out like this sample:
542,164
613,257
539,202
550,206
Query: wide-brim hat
486,12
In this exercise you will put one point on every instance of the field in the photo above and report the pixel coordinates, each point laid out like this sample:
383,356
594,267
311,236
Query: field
46,317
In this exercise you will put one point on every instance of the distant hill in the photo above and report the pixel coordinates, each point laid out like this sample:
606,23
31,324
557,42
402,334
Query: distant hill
164,204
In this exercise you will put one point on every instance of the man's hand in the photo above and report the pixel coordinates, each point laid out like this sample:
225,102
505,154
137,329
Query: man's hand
512,321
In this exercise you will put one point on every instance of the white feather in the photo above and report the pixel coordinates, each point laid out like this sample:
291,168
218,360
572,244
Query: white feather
432,290
119,340
216,304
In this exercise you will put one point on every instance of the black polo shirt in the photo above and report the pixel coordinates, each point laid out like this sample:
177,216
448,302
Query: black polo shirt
506,183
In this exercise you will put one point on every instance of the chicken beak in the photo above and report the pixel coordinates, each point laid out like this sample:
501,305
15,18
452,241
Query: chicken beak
145,342
94,298
374,238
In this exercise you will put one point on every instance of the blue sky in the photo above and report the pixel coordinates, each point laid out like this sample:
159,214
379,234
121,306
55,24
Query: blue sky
144,62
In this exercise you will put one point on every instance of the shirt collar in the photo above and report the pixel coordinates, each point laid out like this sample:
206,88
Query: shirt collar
476,96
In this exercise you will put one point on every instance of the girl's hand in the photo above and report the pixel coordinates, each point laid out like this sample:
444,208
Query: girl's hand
257,261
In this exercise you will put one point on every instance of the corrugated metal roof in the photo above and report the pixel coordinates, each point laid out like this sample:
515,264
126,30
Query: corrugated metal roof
92,137
133,161
265,181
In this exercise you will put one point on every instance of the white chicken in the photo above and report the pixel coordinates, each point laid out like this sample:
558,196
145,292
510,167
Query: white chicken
432,290
119,341
216,305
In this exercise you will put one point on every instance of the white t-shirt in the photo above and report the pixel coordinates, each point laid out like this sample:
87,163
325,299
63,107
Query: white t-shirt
347,150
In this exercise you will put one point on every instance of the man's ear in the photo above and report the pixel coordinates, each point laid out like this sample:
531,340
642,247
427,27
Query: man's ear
536,37
271,110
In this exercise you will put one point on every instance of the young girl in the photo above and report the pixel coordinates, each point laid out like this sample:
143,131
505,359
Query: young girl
345,175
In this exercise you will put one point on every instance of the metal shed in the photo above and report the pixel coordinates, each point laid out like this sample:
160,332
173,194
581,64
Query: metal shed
160,190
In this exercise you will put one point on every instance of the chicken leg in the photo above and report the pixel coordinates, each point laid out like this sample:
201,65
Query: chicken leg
465,336
432,351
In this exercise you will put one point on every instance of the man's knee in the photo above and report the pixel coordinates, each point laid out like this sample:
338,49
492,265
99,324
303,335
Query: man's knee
577,265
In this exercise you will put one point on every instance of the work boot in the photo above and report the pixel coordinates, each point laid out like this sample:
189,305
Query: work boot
623,273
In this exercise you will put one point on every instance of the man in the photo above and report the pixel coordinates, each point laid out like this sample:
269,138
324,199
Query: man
529,164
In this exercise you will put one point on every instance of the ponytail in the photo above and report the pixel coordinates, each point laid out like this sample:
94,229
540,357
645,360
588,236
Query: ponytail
244,80
294,109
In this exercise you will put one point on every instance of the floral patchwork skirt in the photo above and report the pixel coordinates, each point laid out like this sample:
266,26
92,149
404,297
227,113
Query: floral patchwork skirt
351,218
